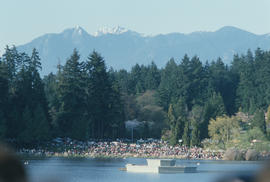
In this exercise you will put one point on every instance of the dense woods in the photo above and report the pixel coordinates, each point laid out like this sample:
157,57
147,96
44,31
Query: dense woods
185,101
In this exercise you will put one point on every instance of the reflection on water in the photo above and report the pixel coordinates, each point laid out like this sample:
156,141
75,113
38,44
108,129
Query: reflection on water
107,170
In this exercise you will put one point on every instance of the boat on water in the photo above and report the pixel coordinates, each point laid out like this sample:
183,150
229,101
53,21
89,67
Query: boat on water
160,166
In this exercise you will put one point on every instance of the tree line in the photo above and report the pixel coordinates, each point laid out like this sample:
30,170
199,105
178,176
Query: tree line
85,99
80,101
192,93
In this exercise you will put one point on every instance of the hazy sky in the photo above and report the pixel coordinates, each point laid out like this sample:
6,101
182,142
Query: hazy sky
23,20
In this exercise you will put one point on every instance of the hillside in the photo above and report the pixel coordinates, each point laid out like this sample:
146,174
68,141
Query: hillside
123,48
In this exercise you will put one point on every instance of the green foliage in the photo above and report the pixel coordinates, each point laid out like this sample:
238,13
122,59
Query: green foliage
196,116
71,95
224,85
36,126
223,128
149,111
131,108
177,116
147,98
168,85
186,135
28,134
268,115
250,139
99,89
3,126
214,107
4,99
172,123
84,100
259,120
195,135
42,128
254,134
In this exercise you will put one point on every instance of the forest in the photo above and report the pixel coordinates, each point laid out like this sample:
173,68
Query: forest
186,101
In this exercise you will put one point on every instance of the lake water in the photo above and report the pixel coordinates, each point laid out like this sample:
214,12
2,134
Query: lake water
107,170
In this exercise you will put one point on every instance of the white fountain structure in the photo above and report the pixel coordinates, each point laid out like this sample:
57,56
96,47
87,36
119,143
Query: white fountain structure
160,166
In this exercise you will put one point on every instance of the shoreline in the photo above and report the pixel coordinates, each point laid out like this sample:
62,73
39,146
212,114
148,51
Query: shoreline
104,157
57,155
122,150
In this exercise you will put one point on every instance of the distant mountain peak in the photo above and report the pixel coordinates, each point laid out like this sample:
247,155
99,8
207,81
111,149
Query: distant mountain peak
130,47
106,30
230,29
79,30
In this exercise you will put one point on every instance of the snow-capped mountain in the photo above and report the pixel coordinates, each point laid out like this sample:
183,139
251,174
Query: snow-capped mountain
106,30
122,48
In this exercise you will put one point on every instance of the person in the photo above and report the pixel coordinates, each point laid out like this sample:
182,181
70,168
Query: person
264,174
11,168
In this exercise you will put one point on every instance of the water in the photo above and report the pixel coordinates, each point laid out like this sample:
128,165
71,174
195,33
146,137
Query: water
97,170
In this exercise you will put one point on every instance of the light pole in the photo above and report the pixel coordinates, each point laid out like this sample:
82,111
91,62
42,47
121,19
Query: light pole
130,125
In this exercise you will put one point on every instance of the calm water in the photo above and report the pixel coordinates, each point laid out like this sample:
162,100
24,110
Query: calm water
83,170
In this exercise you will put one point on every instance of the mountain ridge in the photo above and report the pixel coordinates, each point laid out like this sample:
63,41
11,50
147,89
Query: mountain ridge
123,48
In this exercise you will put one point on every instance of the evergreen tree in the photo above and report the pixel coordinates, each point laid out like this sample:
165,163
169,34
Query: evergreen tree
195,135
152,79
196,83
222,80
136,79
116,107
72,97
172,124
246,90
259,120
167,90
27,135
4,99
51,92
196,117
177,116
186,135
123,79
3,126
99,99
11,57
213,108
42,127
181,117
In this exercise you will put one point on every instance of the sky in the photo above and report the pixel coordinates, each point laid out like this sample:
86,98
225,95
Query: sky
23,20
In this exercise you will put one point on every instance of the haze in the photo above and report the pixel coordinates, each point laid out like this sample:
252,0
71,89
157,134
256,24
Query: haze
22,21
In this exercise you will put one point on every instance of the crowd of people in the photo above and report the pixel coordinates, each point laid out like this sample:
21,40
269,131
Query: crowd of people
121,149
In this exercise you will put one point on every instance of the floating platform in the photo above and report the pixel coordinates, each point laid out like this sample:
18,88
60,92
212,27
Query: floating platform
160,166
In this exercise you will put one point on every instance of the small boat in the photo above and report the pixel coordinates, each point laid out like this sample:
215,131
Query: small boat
160,166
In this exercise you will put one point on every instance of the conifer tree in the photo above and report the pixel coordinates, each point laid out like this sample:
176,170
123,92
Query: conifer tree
99,90
4,99
72,97
3,126
42,127
186,135
27,135
195,135
259,120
